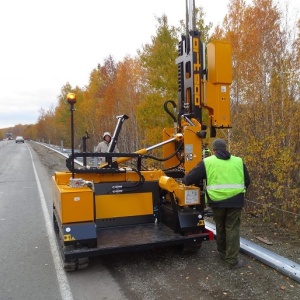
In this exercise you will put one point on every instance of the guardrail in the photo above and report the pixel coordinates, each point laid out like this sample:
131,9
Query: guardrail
92,162
273,260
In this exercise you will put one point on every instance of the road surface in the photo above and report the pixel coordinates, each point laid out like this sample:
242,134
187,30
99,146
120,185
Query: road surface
29,261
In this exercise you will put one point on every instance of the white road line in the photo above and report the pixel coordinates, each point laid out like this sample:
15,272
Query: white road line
65,290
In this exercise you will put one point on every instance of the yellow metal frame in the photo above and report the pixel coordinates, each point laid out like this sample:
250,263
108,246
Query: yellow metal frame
73,204
169,149
123,205
192,147
217,87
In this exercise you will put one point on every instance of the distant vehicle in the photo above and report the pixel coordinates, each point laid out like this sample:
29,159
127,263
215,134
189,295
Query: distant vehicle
19,139
9,135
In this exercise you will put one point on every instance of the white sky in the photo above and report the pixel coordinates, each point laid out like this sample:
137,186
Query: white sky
45,44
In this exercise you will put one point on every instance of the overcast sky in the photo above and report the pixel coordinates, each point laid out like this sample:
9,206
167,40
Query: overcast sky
45,44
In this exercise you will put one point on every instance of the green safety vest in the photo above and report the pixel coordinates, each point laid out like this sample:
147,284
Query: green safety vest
225,178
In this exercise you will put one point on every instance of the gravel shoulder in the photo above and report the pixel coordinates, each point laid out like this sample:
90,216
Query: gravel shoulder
166,274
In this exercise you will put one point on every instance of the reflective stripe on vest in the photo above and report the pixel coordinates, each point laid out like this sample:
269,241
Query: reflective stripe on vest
225,178
225,186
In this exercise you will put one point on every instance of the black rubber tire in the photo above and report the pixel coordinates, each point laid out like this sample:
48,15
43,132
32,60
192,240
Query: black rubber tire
76,264
55,225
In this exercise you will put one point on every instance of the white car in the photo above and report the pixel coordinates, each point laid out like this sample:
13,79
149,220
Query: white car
19,139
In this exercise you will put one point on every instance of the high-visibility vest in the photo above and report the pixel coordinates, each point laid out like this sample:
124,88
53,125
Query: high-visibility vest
225,178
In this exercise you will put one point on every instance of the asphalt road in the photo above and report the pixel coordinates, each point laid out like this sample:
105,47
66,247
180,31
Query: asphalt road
29,262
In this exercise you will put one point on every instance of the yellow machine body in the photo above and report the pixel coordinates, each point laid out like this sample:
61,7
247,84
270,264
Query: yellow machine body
168,183
217,87
192,147
187,195
79,204
73,204
123,205
63,178
170,148
192,152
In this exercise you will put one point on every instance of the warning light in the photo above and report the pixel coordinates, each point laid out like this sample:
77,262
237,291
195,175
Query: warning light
71,97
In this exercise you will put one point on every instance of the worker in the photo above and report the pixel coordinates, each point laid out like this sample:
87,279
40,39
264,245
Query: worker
227,179
104,145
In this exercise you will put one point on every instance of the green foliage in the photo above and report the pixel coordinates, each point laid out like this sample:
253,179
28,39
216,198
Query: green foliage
158,59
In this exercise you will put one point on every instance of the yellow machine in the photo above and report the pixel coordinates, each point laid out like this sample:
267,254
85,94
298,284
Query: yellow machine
111,208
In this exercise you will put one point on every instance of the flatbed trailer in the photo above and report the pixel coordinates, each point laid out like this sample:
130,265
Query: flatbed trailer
124,239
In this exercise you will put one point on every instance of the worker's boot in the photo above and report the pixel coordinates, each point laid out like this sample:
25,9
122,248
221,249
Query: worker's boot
237,265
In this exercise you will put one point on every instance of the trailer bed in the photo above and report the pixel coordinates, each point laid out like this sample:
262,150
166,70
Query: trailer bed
135,238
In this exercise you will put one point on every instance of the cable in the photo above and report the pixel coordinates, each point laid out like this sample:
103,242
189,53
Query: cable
166,158
279,209
121,189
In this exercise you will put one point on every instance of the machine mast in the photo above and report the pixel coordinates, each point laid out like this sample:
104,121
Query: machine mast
201,86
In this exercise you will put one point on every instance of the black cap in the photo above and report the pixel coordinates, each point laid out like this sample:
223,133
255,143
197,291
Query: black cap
219,144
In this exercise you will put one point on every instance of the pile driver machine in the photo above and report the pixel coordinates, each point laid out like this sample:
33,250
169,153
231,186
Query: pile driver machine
113,208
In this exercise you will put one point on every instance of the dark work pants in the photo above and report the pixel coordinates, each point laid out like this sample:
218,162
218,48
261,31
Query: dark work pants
228,222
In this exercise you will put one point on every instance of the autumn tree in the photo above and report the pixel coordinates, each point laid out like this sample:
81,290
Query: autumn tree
114,89
126,99
265,101
45,127
63,115
97,110
160,81
30,132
